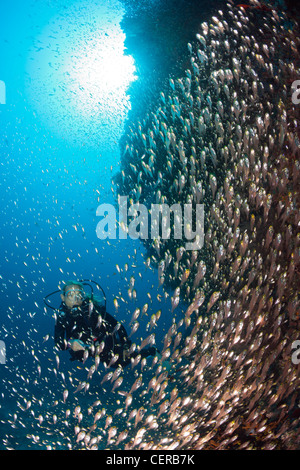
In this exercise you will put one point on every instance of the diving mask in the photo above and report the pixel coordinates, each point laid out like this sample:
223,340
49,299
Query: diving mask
75,294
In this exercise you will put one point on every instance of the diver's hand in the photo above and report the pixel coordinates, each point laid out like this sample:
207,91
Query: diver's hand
76,345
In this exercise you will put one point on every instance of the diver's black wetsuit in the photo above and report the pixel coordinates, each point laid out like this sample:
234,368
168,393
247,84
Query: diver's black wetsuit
90,329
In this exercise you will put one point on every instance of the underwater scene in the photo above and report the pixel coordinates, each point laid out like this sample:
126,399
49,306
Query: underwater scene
150,235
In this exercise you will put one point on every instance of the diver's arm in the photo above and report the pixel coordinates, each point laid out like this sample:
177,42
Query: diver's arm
125,343
124,340
120,332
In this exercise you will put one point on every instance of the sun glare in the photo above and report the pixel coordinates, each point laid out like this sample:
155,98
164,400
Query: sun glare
101,73
79,75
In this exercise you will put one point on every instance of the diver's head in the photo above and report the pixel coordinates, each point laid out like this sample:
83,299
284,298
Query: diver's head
73,294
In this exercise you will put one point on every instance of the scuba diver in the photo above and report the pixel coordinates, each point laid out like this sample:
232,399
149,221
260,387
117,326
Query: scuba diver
85,328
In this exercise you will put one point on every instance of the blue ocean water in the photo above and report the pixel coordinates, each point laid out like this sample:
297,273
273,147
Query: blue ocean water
66,99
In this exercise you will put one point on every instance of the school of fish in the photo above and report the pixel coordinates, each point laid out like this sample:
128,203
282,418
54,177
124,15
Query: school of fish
225,135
